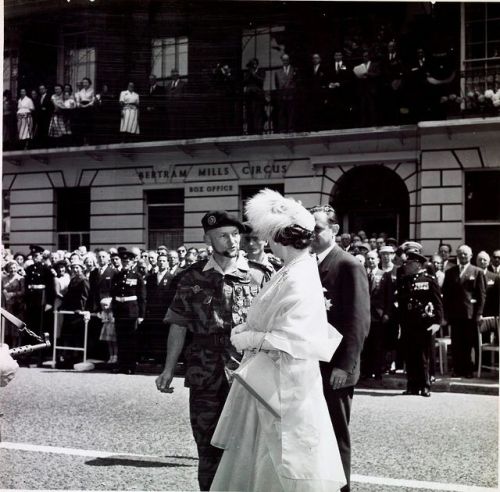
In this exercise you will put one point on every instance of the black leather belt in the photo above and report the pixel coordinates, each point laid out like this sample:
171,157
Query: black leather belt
212,340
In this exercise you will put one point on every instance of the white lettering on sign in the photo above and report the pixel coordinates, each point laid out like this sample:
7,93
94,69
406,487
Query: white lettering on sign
199,190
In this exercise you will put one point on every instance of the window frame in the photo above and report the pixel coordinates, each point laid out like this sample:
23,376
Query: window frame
177,42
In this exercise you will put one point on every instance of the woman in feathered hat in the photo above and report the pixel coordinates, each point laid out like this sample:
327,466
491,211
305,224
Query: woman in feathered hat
293,447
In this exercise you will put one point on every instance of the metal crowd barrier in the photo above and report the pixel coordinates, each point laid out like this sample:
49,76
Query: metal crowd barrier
57,347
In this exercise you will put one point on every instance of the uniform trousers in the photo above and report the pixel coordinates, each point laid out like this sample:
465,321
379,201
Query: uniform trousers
372,357
35,308
339,405
205,407
463,340
126,342
418,345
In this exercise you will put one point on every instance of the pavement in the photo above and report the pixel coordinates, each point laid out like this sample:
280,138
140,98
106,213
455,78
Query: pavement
68,430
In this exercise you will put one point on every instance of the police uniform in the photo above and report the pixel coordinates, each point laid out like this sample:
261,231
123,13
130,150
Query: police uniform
210,304
40,291
420,306
128,294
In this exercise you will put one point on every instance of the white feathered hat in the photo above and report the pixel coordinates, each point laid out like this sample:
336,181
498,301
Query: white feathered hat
269,212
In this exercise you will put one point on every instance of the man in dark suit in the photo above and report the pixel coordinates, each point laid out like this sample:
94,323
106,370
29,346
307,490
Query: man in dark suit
464,294
153,115
285,81
158,296
100,280
339,92
492,301
175,92
495,262
392,73
346,284
317,82
43,112
369,78
253,89
445,252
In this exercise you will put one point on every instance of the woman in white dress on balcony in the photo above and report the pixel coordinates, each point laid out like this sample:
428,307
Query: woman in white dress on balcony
296,449
129,102
25,108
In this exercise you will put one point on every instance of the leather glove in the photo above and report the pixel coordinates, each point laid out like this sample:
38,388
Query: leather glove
247,340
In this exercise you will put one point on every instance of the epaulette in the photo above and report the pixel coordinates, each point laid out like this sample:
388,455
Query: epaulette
258,266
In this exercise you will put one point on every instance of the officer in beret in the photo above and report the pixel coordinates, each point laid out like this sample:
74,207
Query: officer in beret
254,247
128,295
212,297
421,314
40,293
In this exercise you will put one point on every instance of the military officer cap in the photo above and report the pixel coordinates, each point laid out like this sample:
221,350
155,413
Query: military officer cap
412,255
34,248
220,218
386,249
411,246
126,254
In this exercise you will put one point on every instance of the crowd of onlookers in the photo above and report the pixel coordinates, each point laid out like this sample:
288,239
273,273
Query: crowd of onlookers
358,85
81,281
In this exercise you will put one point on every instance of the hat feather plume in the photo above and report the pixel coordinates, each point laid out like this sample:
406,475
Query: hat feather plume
269,212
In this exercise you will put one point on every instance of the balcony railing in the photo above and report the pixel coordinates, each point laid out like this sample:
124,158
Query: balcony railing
473,93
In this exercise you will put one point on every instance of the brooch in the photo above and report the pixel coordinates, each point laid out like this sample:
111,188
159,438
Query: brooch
328,302
196,289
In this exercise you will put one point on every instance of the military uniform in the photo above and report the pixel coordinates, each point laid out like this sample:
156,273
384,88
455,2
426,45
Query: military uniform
40,291
420,306
128,294
210,304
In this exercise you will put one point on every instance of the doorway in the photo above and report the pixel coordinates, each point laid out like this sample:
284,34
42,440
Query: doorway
373,199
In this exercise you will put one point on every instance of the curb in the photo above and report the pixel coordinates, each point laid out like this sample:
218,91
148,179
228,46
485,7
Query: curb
441,385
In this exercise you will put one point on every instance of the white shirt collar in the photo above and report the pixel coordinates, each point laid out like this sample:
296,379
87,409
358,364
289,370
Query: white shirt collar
324,254
240,264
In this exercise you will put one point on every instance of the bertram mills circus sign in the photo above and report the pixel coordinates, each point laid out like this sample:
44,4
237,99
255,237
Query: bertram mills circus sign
208,172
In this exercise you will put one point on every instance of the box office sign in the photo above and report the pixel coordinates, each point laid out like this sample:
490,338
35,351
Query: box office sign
213,172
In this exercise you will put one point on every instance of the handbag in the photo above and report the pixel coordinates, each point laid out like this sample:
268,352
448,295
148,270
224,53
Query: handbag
259,375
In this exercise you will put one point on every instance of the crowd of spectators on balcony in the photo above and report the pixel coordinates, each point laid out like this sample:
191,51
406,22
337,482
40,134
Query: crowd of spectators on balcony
358,85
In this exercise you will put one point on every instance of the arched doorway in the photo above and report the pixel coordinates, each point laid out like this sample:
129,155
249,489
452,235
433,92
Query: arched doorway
373,199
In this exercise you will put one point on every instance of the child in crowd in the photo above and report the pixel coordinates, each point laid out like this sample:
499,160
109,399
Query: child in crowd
108,333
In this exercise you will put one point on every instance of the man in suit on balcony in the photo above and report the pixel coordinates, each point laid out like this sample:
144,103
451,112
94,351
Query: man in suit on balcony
154,112
285,81
346,288
339,92
317,82
464,294
176,92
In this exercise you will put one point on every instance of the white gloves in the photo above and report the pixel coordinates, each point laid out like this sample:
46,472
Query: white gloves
246,340
8,366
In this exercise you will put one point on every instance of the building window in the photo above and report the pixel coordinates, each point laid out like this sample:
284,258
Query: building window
79,63
481,33
482,210
168,54
265,44
10,71
73,217
249,191
165,218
